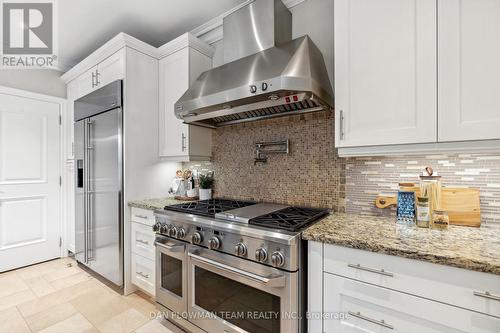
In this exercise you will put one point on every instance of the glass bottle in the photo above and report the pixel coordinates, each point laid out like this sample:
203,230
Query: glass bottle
423,212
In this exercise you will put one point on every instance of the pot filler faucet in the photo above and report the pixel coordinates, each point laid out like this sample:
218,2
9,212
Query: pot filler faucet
262,149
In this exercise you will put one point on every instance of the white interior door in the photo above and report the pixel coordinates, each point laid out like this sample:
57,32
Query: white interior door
29,181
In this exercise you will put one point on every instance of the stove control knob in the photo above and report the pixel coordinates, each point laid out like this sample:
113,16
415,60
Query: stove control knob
240,249
172,232
164,229
196,238
277,259
181,232
156,227
261,255
213,243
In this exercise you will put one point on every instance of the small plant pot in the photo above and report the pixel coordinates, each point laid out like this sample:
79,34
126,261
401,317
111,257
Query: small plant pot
205,193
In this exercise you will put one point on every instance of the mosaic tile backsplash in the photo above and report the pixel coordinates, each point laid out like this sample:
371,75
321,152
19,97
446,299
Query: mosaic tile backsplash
311,175
308,176
367,177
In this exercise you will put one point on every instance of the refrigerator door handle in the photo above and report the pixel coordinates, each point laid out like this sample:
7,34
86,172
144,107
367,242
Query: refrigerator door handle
85,190
90,201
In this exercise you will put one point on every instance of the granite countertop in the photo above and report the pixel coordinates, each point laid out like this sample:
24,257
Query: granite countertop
153,204
476,249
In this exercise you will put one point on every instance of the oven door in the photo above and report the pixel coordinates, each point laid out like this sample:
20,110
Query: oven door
230,294
171,274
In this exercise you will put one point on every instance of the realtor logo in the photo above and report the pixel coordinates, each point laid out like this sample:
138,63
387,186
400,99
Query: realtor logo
28,34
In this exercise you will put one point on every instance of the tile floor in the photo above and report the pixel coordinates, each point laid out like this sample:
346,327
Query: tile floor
58,296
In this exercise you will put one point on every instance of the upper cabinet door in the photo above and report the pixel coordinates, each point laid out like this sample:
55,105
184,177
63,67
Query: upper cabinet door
174,81
385,72
469,69
111,68
85,83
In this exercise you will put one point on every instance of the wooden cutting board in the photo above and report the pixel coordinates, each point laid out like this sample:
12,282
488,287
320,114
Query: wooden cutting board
462,204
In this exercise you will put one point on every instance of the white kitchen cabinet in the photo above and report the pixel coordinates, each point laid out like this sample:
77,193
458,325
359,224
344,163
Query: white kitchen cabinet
385,72
185,59
416,77
142,216
143,273
108,70
85,83
111,69
469,69
143,239
355,290
368,308
142,250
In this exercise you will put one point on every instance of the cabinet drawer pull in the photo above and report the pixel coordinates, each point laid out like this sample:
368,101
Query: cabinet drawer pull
487,294
146,276
371,270
378,322
142,241
141,216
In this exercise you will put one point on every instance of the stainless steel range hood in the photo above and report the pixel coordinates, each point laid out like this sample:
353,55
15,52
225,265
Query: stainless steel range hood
273,76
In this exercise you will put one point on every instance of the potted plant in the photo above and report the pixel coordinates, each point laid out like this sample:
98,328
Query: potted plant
206,183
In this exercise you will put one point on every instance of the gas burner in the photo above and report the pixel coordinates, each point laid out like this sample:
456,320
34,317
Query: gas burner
290,218
209,207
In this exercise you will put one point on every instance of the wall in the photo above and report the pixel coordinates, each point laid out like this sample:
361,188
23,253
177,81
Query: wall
42,81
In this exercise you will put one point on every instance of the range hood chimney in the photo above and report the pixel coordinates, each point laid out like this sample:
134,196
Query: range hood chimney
256,27
266,73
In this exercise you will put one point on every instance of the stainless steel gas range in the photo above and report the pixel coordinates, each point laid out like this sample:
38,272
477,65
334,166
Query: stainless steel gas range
233,266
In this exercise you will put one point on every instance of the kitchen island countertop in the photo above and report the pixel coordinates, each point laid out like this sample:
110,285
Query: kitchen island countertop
476,249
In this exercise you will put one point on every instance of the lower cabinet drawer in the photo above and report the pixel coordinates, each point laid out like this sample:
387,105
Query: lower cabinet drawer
143,216
143,273
464,288
354,306
143,240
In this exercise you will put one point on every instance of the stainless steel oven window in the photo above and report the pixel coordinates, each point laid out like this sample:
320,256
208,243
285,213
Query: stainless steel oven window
231,294
246,307
171,274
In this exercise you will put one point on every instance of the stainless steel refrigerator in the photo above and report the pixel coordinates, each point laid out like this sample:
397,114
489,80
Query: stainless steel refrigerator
99,182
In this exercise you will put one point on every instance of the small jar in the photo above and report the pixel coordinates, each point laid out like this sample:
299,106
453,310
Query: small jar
440,219
423,212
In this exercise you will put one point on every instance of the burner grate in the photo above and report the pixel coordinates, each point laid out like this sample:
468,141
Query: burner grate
209,207
290,218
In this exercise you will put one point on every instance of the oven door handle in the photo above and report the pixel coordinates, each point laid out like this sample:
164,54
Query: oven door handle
275,281
171,247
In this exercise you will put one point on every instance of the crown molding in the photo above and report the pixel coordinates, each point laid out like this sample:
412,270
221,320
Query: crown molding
183,41
116,43
211,31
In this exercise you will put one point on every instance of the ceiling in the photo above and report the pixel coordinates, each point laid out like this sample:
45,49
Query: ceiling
84,25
